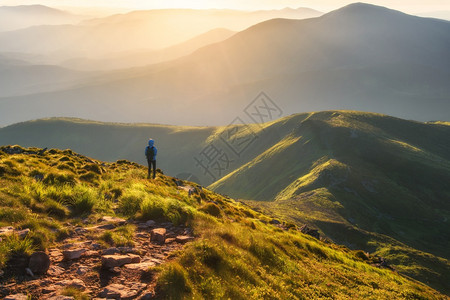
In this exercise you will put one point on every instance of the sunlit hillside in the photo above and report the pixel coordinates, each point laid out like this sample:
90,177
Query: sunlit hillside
231,250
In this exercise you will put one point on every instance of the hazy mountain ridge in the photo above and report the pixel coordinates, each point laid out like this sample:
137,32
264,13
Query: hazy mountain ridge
139,58
443,14
18,78
23,16
326,68
21,77
136,30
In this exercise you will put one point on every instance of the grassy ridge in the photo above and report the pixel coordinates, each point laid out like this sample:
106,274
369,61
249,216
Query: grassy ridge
112,141
238,254
382,174
379,176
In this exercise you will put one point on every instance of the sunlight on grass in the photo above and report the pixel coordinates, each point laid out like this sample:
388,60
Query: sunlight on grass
237,253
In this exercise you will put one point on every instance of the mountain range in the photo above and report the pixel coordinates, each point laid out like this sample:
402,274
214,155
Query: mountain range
137,30
360,57
140,58
24,16
18,77
365,180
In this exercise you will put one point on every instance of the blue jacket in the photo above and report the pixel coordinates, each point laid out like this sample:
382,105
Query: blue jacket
151,143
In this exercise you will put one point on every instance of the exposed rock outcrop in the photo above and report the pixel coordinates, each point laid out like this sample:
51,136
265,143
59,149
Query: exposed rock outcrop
158,236
309,231
39,262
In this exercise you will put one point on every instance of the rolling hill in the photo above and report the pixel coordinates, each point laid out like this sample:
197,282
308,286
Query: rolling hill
111,233
378,60
366,180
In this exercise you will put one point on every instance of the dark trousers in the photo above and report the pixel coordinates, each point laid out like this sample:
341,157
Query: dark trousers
150,164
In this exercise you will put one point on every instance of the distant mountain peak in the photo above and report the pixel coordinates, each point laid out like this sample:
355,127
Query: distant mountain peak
31,8
304,9
362,6
362,9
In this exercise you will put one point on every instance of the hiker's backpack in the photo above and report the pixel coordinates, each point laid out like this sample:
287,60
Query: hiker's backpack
150,152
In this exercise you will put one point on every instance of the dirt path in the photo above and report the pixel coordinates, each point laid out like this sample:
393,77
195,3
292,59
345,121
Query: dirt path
117,272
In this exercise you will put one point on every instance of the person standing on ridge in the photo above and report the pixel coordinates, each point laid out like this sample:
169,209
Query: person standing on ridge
150,153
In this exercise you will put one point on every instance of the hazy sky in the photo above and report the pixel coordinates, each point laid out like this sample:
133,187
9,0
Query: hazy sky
411,6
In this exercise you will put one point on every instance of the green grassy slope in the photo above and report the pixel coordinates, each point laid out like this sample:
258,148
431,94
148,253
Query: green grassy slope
360,178
382,174
237,253
365,180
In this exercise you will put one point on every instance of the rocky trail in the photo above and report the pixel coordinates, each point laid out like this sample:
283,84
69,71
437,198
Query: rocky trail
81,262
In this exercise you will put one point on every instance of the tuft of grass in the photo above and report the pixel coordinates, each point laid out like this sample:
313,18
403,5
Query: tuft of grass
12,215
265,252
56,209
90,177
165,208
116,192
9,167
37,174
43,232
75,293
152,208
361,255
131,201
317,249
121,236
84,200
14,245
211,209
93,168
173,282
59,179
